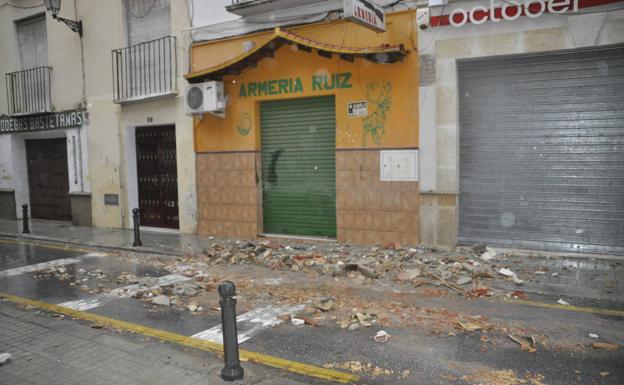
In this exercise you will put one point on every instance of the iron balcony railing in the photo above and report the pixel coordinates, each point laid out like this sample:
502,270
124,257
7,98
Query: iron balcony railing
29,91
145,70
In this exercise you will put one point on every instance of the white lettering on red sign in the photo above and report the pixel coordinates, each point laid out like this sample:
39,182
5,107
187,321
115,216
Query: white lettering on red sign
366,13
511,10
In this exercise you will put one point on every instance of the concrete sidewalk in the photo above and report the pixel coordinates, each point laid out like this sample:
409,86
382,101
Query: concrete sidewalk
49,350
161,242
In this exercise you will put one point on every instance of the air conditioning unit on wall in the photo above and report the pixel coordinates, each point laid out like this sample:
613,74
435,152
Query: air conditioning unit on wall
200,98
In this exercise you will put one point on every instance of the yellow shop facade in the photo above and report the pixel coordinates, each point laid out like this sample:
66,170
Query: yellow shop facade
319,135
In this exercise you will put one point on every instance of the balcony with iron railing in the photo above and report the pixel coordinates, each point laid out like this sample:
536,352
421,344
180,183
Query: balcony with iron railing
29,91
144,71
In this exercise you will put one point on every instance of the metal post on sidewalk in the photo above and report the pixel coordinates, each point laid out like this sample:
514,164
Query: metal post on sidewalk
137,233
232,370
26,230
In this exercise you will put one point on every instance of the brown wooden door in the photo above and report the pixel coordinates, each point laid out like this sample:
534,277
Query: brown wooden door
48,179
157,176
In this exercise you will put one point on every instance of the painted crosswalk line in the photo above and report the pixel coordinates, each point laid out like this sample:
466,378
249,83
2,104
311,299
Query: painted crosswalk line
251,323
46,265
122,292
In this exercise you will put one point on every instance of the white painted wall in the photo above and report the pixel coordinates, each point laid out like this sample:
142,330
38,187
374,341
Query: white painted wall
132,185
210,12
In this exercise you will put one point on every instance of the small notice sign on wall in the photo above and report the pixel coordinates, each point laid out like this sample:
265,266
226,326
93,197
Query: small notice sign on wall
358,109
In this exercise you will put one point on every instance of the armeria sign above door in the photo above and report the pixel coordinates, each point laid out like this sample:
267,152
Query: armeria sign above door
510,10
366,13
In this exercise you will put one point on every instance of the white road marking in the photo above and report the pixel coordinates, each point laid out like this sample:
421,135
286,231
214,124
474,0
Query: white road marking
122,292
83,304
47,265
251,323
269,281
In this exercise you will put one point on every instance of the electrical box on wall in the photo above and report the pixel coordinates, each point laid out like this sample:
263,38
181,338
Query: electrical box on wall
399,165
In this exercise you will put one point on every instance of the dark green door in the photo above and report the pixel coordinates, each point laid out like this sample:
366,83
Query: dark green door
299,166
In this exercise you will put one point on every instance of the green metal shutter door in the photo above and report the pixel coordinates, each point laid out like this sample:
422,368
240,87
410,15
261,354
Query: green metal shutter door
299,166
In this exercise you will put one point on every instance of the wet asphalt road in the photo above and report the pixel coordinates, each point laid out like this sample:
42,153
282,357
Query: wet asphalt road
430,358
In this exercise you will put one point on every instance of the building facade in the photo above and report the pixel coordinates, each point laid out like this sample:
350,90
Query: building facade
93,125
521,124
44,124
449,122
319,136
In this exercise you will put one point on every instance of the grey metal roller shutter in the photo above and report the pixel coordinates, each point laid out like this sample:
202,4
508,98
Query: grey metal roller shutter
542,150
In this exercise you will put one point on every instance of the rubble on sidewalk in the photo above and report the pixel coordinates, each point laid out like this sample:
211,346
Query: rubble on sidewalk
381,337
127,278
161,300
462,271
360,367
4,358
151,290
604,346
527,344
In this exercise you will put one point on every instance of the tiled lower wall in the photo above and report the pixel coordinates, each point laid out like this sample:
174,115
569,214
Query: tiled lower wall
370,211
228,194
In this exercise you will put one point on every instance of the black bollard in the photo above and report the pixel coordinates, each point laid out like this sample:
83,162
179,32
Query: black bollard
137,234
232,370
26,230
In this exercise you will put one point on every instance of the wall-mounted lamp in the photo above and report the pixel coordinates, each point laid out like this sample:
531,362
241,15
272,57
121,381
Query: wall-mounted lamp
54,6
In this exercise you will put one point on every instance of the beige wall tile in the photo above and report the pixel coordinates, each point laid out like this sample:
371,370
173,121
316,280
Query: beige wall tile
363,220
341,235
355,237
405,186
353,160
344,180
401,222
341,161
362,180
372,200
410,201
372,162
248,178
391,201
373,238
345,219
382,220
379,185
410,239
342,199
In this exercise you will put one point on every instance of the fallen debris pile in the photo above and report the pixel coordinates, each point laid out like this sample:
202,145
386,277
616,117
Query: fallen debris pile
152,290
461,271
4,358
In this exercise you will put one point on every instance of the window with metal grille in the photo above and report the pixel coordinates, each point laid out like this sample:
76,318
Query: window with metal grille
147,66
28,90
